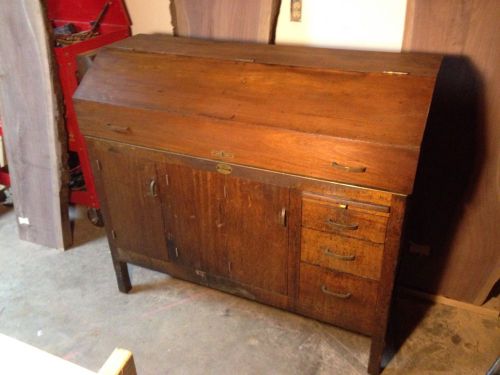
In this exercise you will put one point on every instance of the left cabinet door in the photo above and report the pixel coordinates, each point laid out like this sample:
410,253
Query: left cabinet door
129,191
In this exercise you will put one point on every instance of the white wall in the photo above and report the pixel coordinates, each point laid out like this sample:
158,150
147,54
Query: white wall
351,24
354,24
150,16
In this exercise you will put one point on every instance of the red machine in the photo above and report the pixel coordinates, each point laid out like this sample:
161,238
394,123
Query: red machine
108,22
4,174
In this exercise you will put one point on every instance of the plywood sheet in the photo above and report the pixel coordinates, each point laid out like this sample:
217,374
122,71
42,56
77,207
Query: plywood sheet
33,125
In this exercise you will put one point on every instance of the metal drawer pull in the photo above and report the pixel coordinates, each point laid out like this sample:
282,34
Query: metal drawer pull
283,217
152,188
348,168
334,224
118,129
337,295
330,253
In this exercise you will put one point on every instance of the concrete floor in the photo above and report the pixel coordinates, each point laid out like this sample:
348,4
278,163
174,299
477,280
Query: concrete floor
67,303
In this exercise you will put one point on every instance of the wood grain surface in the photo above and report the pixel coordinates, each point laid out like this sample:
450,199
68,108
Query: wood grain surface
33,125
457,204
334,251
364,121
354,312
240,20
414,63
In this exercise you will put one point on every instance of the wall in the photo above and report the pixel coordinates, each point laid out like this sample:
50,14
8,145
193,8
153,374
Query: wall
357,24
148,17
457,194
353,24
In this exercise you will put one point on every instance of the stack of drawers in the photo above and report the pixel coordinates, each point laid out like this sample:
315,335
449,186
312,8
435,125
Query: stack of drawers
341,260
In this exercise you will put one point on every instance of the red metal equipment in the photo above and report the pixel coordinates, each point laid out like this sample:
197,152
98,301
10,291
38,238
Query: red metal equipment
4,174
114,25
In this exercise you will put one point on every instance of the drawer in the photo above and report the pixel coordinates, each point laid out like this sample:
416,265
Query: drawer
346,220
341,253
337,298
303,154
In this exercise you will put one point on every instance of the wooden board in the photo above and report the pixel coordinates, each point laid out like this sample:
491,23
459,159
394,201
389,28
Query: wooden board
33,125
457,206
240,20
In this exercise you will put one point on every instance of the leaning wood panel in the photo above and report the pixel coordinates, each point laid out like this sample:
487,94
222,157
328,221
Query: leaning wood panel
240,20
457,206
33,125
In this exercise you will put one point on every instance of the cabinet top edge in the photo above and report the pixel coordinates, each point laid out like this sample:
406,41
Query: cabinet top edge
403,63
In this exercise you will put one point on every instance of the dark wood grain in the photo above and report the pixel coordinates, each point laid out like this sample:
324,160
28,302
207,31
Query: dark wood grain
461,226
323,249
354,312
419,64
385,287
33,125
273,149
348,221
392,108
256,233
136,218
222,19
263,164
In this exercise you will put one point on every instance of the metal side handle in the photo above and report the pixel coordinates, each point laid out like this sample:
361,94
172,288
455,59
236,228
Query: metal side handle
342,226
325,290
330,253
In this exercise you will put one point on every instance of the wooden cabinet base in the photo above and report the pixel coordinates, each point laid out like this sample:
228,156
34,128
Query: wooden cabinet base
278,174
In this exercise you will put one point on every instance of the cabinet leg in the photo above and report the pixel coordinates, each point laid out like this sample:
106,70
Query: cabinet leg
376,353
122,276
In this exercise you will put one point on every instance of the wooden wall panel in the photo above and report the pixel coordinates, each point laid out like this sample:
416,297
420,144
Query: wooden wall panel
457,197
33,125
238,20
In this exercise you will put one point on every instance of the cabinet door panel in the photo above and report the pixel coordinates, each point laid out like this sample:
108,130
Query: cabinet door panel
192,209
132,200
256,234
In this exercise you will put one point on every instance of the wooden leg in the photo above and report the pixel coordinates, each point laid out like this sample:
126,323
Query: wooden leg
391,254
376,353
122,276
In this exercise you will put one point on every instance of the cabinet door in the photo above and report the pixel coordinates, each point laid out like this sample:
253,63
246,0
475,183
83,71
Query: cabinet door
256,233
131,197
227,226
192,210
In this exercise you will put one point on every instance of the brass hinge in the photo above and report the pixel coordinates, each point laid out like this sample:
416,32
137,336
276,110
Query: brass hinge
393,73
113,233
98,164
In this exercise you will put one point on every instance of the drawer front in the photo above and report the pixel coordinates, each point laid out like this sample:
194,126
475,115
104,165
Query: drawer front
337,298
341,253
303,154
344,220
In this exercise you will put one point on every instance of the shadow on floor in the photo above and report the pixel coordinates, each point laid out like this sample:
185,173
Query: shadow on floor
83,230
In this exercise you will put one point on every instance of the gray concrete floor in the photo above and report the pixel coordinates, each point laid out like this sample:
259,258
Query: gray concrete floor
67,303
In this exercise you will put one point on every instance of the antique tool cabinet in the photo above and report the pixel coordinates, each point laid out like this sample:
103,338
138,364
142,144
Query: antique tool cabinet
275,173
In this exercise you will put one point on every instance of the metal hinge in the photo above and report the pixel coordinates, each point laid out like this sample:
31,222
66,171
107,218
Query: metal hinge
390,72
98,165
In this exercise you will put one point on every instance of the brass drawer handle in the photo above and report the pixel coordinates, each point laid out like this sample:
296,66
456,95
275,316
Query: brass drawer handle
334,224
330,253
325,290
348,168
118,129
